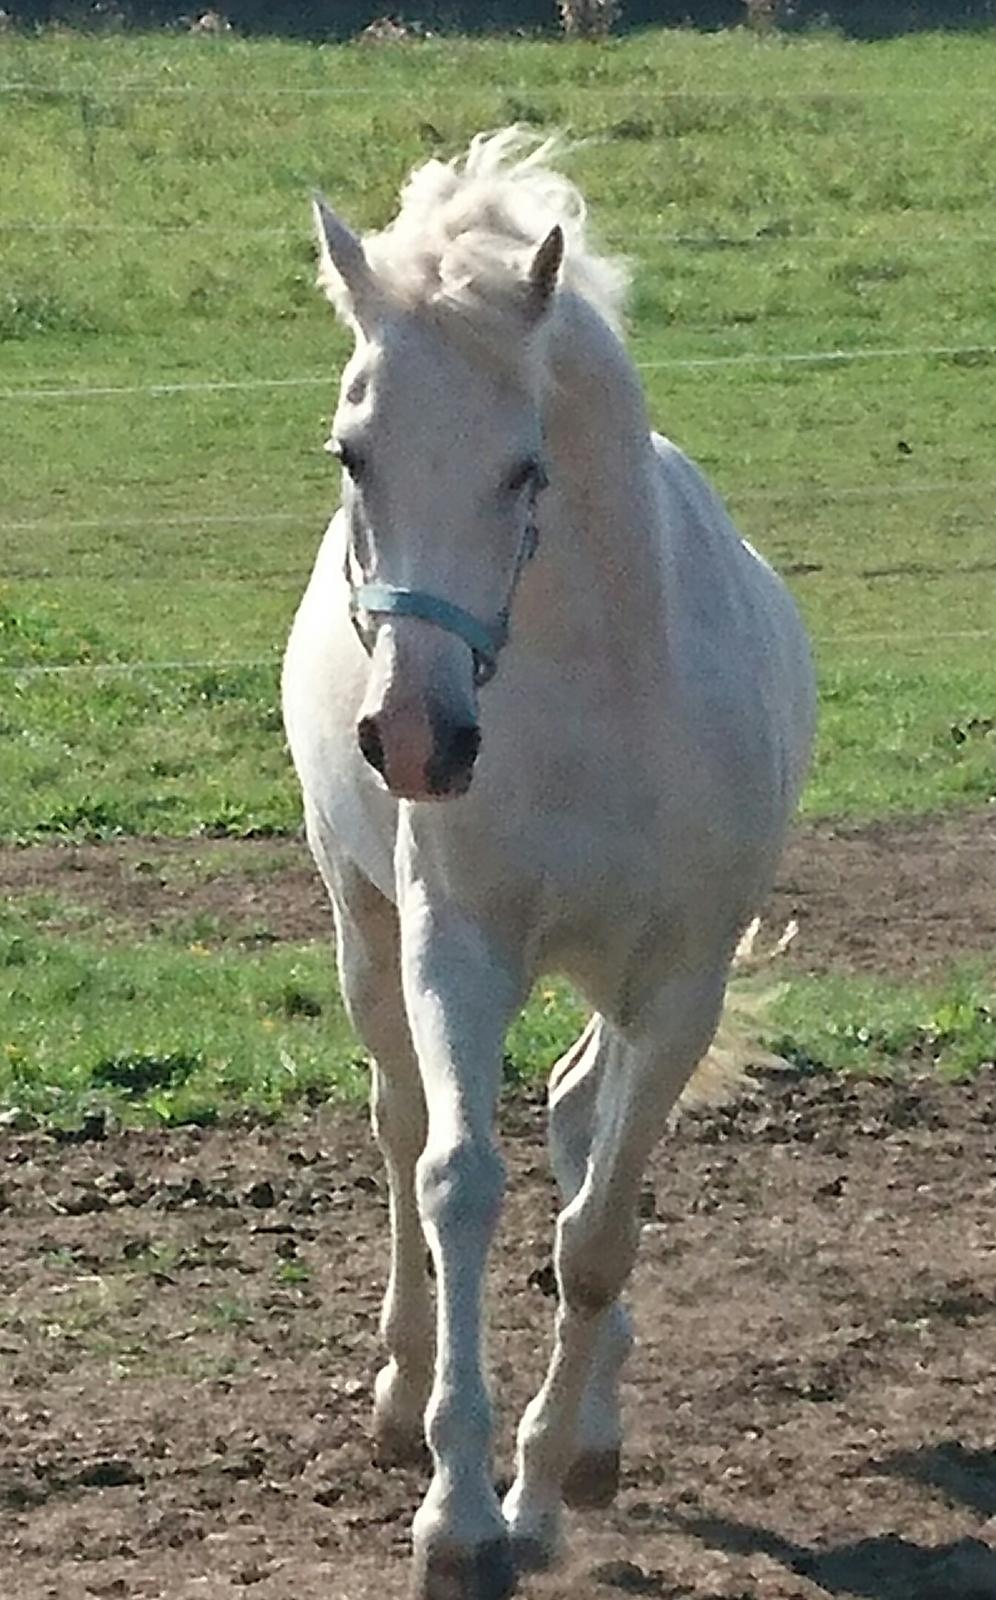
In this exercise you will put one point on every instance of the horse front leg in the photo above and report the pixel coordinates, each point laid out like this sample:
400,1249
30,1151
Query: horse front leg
369,961
460,993
640,1073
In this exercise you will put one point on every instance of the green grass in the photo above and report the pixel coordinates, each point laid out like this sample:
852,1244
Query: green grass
157,1031
202,752
774,195
165,753
870,1025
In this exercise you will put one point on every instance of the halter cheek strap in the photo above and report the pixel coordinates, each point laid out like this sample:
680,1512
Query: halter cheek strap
483,639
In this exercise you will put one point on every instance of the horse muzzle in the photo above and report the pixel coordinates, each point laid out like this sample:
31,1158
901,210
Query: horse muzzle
420,757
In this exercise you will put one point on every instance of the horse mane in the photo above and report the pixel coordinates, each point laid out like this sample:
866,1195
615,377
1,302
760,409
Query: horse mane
468,228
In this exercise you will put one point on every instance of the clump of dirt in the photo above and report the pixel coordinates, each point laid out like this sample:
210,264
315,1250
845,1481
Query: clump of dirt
188,1330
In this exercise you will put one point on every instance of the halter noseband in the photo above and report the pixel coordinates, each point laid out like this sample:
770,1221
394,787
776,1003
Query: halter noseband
484,639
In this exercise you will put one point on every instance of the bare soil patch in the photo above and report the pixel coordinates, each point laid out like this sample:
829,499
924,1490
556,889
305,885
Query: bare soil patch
904,896
188,1330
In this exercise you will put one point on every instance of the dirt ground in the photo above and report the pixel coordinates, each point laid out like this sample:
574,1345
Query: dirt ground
189,1340
904,896
188,1322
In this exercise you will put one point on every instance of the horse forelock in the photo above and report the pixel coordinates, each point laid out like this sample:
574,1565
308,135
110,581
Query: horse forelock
467,229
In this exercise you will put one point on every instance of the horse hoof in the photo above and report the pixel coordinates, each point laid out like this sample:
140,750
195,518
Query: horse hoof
398,1446
444,1571
537,1536
592,1481
533,1554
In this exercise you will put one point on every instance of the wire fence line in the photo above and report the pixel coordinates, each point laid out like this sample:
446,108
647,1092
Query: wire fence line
102,391
35,669
214,580
191,520
683,363
843,493
855,492
96,91
295,577
819,357
915,642
819,92
691,241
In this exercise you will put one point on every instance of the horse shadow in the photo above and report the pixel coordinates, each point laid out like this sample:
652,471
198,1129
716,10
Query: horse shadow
885,1568
967,1477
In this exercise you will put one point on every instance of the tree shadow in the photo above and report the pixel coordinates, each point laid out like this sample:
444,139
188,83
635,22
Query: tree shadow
886,1568
345,19
965,1476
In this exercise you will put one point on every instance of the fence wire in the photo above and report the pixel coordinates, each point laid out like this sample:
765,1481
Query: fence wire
257,663
820,93
691,241
824,493
840,493
746,358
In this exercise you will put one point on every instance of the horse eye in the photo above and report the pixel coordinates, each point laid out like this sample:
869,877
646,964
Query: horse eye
526,472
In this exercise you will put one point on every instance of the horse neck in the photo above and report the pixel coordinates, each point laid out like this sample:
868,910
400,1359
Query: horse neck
606,547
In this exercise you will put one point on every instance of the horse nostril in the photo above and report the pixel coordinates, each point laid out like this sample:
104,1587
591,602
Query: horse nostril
455,747
370,742
464,743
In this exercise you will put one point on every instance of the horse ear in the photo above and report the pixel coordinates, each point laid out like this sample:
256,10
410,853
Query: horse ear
544,270
343,270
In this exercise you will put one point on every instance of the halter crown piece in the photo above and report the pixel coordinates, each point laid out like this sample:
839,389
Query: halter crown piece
484,639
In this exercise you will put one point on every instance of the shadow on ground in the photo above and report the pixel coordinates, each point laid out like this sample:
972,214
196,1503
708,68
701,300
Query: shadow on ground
886,1568
966,1477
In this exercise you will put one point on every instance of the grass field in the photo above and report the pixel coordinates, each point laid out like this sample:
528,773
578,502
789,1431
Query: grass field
185,1028
777,198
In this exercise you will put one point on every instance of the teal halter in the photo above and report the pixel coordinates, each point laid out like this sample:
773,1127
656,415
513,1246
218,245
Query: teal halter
484,640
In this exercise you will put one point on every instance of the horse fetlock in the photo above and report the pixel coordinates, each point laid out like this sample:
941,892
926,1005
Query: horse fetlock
408,1335
458,1424
593,1476
399,1419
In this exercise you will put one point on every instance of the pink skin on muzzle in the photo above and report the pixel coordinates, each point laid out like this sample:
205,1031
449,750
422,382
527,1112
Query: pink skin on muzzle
417,725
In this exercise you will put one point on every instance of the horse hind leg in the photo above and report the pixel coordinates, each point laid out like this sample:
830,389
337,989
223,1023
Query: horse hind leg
593,1476
369,974
402,1387
640,1073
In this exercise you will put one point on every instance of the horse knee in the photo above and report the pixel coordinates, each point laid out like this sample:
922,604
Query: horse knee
461,1186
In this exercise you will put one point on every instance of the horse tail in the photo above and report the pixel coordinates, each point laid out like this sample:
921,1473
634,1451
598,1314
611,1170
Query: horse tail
738,1050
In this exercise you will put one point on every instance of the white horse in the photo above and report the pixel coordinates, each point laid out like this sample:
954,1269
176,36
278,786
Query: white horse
619,729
